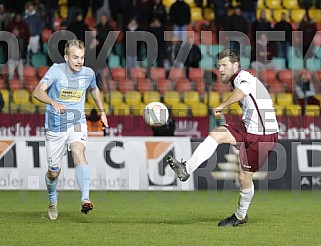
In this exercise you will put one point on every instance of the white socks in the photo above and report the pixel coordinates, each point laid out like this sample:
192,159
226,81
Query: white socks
203,152
245,198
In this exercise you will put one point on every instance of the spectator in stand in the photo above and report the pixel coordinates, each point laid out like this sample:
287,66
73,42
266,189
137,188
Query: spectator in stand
35,25
78,27
172,59
5,19
180,16
220,11
75,7
248,8
100,7
157,29
193,53
306,4
24,33
305,91
237,22
283,46
102,29
16,55
51,6
309,29
260,24
121,11
131,54
264,53
158,10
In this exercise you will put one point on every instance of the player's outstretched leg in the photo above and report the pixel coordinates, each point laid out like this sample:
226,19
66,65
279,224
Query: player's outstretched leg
86,206
178,167
232,221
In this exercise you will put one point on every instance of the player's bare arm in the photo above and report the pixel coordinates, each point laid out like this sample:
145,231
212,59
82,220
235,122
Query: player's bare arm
236,96
41,95
95,93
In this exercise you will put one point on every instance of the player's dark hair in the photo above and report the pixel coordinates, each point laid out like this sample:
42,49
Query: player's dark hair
232,54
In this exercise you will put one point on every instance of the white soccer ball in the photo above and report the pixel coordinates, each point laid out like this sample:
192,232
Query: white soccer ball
155,114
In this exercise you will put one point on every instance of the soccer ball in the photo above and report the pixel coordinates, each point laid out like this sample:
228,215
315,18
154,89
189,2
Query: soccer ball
155,114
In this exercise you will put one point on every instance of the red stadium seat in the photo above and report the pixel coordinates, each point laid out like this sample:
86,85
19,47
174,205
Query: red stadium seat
138,73
118,73
42,71
176,74
126,85
183,86
164,85
15,84
144,85
157,73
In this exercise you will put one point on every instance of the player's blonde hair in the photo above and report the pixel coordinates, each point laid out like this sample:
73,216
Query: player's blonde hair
74,42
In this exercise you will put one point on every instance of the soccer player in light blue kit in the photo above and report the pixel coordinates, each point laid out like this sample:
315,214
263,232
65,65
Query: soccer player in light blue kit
63,89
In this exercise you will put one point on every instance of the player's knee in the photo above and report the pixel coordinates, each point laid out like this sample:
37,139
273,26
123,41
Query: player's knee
52,175
78,154
245,181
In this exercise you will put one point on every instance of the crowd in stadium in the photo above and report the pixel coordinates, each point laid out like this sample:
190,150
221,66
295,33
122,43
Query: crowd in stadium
128,85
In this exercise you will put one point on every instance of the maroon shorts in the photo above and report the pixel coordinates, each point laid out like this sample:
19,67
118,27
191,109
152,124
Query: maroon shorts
254,149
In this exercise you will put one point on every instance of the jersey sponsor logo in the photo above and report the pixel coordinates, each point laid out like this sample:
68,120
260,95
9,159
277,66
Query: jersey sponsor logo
70,95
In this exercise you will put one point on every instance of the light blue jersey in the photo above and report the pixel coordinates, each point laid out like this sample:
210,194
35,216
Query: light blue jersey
70,90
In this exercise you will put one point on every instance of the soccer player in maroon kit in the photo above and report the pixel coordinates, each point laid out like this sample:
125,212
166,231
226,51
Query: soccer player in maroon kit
255,135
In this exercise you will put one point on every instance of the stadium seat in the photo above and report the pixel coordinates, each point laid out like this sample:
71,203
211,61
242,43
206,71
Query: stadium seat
260,4
315,14
268,75
214,99
277,14
290,4
293,110
180,109
121,109
2,84
297,15
42,71
39,60
90,99
196,74
209,14
31,84
164,85
252,71
157,73
151,96
144,85
29,71
285,76
15,84
118,73
235,109
113,61
313,64
45,35
276,87
133,98
200,87
279,109
183,86
220,87
168,3
312,110
6,98
137,73
196,14
273,4
126,85
138,109
171,97
114,97
285,99
191,98
176,73
199,110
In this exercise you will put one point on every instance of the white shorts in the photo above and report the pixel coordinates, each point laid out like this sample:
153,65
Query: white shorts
57,144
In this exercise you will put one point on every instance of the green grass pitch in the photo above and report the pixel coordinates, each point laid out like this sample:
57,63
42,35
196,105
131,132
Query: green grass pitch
160,218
